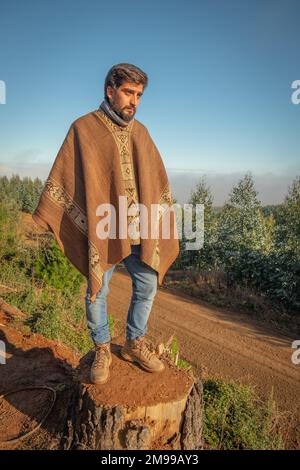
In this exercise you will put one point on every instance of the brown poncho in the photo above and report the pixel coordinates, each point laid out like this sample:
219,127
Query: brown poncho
90,169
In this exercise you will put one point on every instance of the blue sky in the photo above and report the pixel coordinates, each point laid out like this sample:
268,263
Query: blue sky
220,75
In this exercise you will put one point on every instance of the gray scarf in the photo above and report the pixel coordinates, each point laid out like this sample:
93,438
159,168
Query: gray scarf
107,109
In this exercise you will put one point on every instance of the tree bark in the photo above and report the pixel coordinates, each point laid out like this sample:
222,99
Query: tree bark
100,425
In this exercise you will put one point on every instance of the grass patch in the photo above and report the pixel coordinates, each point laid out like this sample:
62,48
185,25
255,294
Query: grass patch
235,419
56,315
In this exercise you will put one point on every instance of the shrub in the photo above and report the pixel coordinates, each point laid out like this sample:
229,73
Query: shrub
235,419
56,270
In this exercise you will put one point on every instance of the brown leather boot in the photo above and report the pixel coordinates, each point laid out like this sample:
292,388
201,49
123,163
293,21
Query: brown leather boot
137,350
100,366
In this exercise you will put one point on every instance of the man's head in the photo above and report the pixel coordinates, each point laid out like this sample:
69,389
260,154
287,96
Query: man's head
123,88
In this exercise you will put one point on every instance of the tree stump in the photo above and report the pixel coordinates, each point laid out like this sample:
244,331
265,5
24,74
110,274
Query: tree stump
135,409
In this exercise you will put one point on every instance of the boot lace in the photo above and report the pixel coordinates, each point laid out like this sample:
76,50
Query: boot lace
102,354
142,345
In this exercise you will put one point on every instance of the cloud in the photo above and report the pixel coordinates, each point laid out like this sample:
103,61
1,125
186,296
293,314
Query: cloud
4,169
27,162
33,171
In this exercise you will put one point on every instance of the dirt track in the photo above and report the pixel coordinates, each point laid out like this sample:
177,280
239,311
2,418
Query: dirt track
221,344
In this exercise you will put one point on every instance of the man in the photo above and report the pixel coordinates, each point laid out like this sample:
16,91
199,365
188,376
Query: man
107,155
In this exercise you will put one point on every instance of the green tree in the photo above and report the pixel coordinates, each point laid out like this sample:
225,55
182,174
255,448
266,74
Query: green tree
56,270
245,235
243,225
288,230
9,220
24,192
206,257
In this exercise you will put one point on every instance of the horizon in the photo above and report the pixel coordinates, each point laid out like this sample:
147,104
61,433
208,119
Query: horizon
181,194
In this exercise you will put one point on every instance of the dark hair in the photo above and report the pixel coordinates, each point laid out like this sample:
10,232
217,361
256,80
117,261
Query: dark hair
120,73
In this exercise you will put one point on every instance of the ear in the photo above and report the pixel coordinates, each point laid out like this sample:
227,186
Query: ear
110,92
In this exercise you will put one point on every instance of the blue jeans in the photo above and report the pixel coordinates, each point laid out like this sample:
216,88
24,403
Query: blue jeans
144,288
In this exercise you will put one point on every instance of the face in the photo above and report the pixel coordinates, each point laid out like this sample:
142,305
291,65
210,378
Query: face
125,99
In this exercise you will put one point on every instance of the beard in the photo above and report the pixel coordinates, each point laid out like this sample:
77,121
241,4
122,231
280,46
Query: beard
122,111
